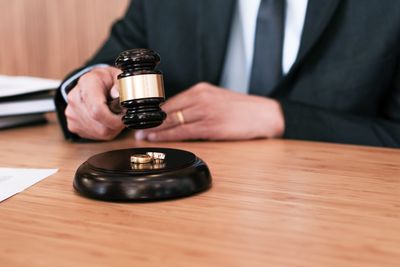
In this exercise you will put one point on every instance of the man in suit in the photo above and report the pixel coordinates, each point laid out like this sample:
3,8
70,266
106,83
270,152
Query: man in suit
338,76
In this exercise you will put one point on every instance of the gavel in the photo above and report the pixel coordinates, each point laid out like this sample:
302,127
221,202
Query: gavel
141,89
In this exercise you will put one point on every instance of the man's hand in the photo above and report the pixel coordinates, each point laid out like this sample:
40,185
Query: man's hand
208,112
87,112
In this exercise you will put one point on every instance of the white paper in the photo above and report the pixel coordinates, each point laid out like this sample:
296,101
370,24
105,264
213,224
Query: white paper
15,180
17,85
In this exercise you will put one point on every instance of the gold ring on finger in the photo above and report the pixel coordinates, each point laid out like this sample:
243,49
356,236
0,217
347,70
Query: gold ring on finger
180,117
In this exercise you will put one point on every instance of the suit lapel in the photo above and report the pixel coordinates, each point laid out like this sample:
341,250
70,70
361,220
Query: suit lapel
318,16
214,28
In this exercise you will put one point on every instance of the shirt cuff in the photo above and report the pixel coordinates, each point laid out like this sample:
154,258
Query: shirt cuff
67,82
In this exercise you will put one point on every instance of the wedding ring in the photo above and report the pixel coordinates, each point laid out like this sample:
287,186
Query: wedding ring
141,158
157,157
147,166
179,117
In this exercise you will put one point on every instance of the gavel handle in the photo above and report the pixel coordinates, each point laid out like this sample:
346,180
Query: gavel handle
115,106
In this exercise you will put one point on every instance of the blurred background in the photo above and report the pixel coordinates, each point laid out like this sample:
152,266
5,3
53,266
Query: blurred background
50,38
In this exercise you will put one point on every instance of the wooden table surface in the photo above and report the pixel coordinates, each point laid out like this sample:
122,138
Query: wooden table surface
273,203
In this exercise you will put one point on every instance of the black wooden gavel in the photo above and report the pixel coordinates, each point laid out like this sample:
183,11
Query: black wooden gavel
141,89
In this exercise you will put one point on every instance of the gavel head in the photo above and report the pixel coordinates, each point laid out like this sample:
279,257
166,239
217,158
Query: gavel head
141,88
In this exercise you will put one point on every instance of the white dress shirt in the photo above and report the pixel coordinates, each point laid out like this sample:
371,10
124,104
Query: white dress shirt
239,58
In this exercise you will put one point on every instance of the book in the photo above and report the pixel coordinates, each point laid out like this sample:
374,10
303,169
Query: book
24,100
30,103
20,85
20,120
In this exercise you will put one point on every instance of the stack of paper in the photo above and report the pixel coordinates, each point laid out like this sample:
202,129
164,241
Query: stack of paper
25,100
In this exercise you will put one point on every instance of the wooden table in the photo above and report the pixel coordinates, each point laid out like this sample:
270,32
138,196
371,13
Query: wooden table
273,203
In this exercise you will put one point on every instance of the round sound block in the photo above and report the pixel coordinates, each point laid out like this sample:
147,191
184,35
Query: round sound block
111,176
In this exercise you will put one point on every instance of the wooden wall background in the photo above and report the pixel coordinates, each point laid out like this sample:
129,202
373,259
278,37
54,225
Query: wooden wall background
49,38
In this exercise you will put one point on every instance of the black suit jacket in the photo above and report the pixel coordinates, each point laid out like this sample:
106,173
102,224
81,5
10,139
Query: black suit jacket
343,87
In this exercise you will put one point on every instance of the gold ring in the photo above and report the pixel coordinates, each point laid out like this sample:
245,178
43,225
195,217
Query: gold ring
141,159
179,116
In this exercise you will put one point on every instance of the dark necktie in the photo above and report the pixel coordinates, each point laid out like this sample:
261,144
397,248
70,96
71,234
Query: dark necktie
267,58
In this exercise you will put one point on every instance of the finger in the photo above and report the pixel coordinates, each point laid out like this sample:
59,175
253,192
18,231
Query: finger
99,129
95,132
190,115
74,124
169,122
109,75
76,128
185,99
93,95
87,128
182,132
80,122
75,105
114,92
